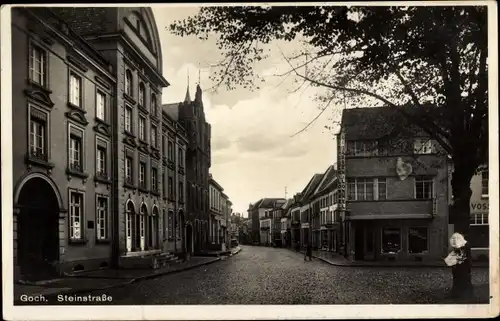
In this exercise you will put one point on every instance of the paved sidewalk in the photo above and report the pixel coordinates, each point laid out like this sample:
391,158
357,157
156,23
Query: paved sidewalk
338,260
101,280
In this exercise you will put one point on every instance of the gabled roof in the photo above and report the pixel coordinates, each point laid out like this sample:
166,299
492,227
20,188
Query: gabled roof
378,122
327,180
171,110
310,187
287,204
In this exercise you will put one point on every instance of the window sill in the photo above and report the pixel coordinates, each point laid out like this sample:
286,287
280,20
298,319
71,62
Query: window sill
103,241
77,241
485,196
102,179
102,121
73,172
39,86
39,162
155,118
75,107
155,193
130,186
143,189
129,98
129,134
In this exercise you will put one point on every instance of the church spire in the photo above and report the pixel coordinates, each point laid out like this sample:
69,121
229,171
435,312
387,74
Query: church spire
187,99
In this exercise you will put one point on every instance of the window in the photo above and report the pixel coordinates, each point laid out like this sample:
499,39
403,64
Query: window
142,92
154,107
128,170
142,128
422,146
102,218
417,240
423,187
181,192
362,148
170,187
37,138
128,119
38,66
164,145
360,189
154,135
382,189
479,230
484,183
75,153
180,157
170,224
76,216
170,150
142,174
391,240
128,82
163,185
101,161
75,89
154,179
100,106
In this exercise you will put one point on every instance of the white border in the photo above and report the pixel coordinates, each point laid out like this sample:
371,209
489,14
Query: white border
234,312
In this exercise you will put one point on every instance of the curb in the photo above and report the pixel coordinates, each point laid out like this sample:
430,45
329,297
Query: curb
354,264
129,281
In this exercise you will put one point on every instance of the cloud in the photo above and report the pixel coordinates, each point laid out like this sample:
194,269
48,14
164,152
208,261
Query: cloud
253,153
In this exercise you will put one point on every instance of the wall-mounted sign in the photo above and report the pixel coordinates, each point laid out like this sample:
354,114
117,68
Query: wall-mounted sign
403,169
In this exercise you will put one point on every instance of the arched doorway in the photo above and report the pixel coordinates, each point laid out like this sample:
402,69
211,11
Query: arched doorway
37,230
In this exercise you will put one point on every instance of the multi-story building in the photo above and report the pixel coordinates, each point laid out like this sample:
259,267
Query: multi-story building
216,210
307,208
295,221
396,186
285,223
93,90
173,181
191,116
62,90
226,218
479,211
326,218
260,214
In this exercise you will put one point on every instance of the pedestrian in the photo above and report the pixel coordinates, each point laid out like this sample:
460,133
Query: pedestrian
308,253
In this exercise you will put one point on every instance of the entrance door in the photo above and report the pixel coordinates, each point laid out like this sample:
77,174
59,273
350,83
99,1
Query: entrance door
370,243
359,243
38,231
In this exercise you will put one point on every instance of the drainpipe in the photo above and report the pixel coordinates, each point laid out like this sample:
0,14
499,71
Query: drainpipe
114,205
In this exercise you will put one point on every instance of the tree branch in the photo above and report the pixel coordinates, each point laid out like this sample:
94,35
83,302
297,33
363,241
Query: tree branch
436,135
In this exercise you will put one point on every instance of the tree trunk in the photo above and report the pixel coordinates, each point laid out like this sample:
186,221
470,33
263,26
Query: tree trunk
460,216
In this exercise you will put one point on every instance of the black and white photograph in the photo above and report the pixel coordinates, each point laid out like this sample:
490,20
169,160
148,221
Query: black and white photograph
188,161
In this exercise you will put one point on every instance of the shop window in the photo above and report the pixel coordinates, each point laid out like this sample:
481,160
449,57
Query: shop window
418,240
391,240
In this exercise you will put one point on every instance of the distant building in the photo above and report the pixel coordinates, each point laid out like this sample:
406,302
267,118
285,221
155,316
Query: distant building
479,221
395,187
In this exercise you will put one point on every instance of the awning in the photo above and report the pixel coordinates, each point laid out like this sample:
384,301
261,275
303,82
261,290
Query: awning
388,217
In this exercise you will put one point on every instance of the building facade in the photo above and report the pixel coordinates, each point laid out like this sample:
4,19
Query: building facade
62,147
395,186
97,150
216,210
190,115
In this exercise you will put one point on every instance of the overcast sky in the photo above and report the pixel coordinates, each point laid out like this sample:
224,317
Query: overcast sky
253,155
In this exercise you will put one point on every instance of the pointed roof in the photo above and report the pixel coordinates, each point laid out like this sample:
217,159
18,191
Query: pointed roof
187,99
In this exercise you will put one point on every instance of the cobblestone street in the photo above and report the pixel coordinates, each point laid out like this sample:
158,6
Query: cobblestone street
261,275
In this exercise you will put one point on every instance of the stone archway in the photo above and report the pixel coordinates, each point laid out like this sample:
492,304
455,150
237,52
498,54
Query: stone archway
38,206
